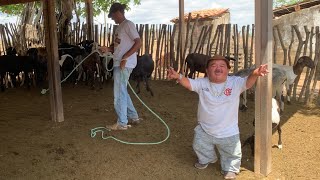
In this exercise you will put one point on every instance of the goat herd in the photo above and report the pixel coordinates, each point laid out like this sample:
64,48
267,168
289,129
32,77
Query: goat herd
77,62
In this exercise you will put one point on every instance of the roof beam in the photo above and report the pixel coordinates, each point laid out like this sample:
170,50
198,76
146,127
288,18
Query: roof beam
9,2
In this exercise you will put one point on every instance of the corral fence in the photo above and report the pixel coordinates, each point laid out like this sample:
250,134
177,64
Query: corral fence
161,40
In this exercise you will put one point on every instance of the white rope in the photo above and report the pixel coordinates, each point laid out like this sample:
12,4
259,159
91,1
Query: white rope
44,91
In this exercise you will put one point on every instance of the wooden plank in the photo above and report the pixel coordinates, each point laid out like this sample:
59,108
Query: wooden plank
8,2
89,11
263,123
53,61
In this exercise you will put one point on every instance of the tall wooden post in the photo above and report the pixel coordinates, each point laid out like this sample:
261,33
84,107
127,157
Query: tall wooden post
89,11
53,60
263,123
183,36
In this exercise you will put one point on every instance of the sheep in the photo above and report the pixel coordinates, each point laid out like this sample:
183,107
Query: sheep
293,71
275,118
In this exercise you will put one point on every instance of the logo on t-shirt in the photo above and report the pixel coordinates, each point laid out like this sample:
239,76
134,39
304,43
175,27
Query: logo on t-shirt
227,92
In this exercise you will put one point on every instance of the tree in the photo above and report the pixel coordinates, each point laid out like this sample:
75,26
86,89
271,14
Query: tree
99,6
278,3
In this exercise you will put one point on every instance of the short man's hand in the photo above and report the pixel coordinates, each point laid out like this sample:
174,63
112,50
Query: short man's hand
172,74
262,70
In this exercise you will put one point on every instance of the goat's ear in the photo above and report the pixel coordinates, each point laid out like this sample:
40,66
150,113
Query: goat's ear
230,58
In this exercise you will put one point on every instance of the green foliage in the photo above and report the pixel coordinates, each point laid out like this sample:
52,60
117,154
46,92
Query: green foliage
12,10
278,3
99,6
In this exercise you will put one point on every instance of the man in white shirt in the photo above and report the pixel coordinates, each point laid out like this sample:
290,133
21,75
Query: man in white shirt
218,113
126,44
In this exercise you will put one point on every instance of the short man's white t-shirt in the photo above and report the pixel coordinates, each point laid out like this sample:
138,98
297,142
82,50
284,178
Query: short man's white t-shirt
125,35
218,114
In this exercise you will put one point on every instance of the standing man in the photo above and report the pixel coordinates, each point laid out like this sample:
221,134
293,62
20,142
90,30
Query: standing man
218,113
127,42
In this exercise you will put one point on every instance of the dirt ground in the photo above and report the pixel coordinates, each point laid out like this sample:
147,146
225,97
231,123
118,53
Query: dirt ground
34,147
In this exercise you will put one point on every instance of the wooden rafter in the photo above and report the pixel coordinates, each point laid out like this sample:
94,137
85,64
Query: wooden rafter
8,2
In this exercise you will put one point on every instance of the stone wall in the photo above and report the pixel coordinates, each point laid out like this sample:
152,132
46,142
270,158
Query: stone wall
309,17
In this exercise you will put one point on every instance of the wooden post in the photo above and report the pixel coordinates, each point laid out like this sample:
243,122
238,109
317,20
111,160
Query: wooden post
53,61
182,30
263,48
251,47
96,33
187,37
236,47
172,57
191,35
221,40
285,51
89,11
212,42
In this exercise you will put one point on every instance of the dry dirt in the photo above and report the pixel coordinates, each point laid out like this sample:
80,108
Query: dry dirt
34,147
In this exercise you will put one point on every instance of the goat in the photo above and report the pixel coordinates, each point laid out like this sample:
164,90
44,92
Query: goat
14,65
197,62
143,71
282,75
92,64
39,55
278,79
293,71
275,118
244,73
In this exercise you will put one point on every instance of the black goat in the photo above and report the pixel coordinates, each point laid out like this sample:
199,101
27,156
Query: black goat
14,65
197,62
143,71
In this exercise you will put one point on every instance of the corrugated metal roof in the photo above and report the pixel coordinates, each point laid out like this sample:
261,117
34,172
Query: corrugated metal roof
203,14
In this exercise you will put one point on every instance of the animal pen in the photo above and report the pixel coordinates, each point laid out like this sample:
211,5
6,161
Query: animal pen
160,40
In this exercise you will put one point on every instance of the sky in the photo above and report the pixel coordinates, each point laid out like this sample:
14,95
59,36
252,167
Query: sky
162,11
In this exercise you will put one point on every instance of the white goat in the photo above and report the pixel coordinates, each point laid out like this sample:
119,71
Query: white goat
282,75
275,118
293,71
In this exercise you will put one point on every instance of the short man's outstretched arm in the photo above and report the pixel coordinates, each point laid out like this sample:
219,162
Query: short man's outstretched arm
172,74
260,71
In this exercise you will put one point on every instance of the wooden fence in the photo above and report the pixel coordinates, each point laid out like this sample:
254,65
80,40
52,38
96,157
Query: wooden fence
161,40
